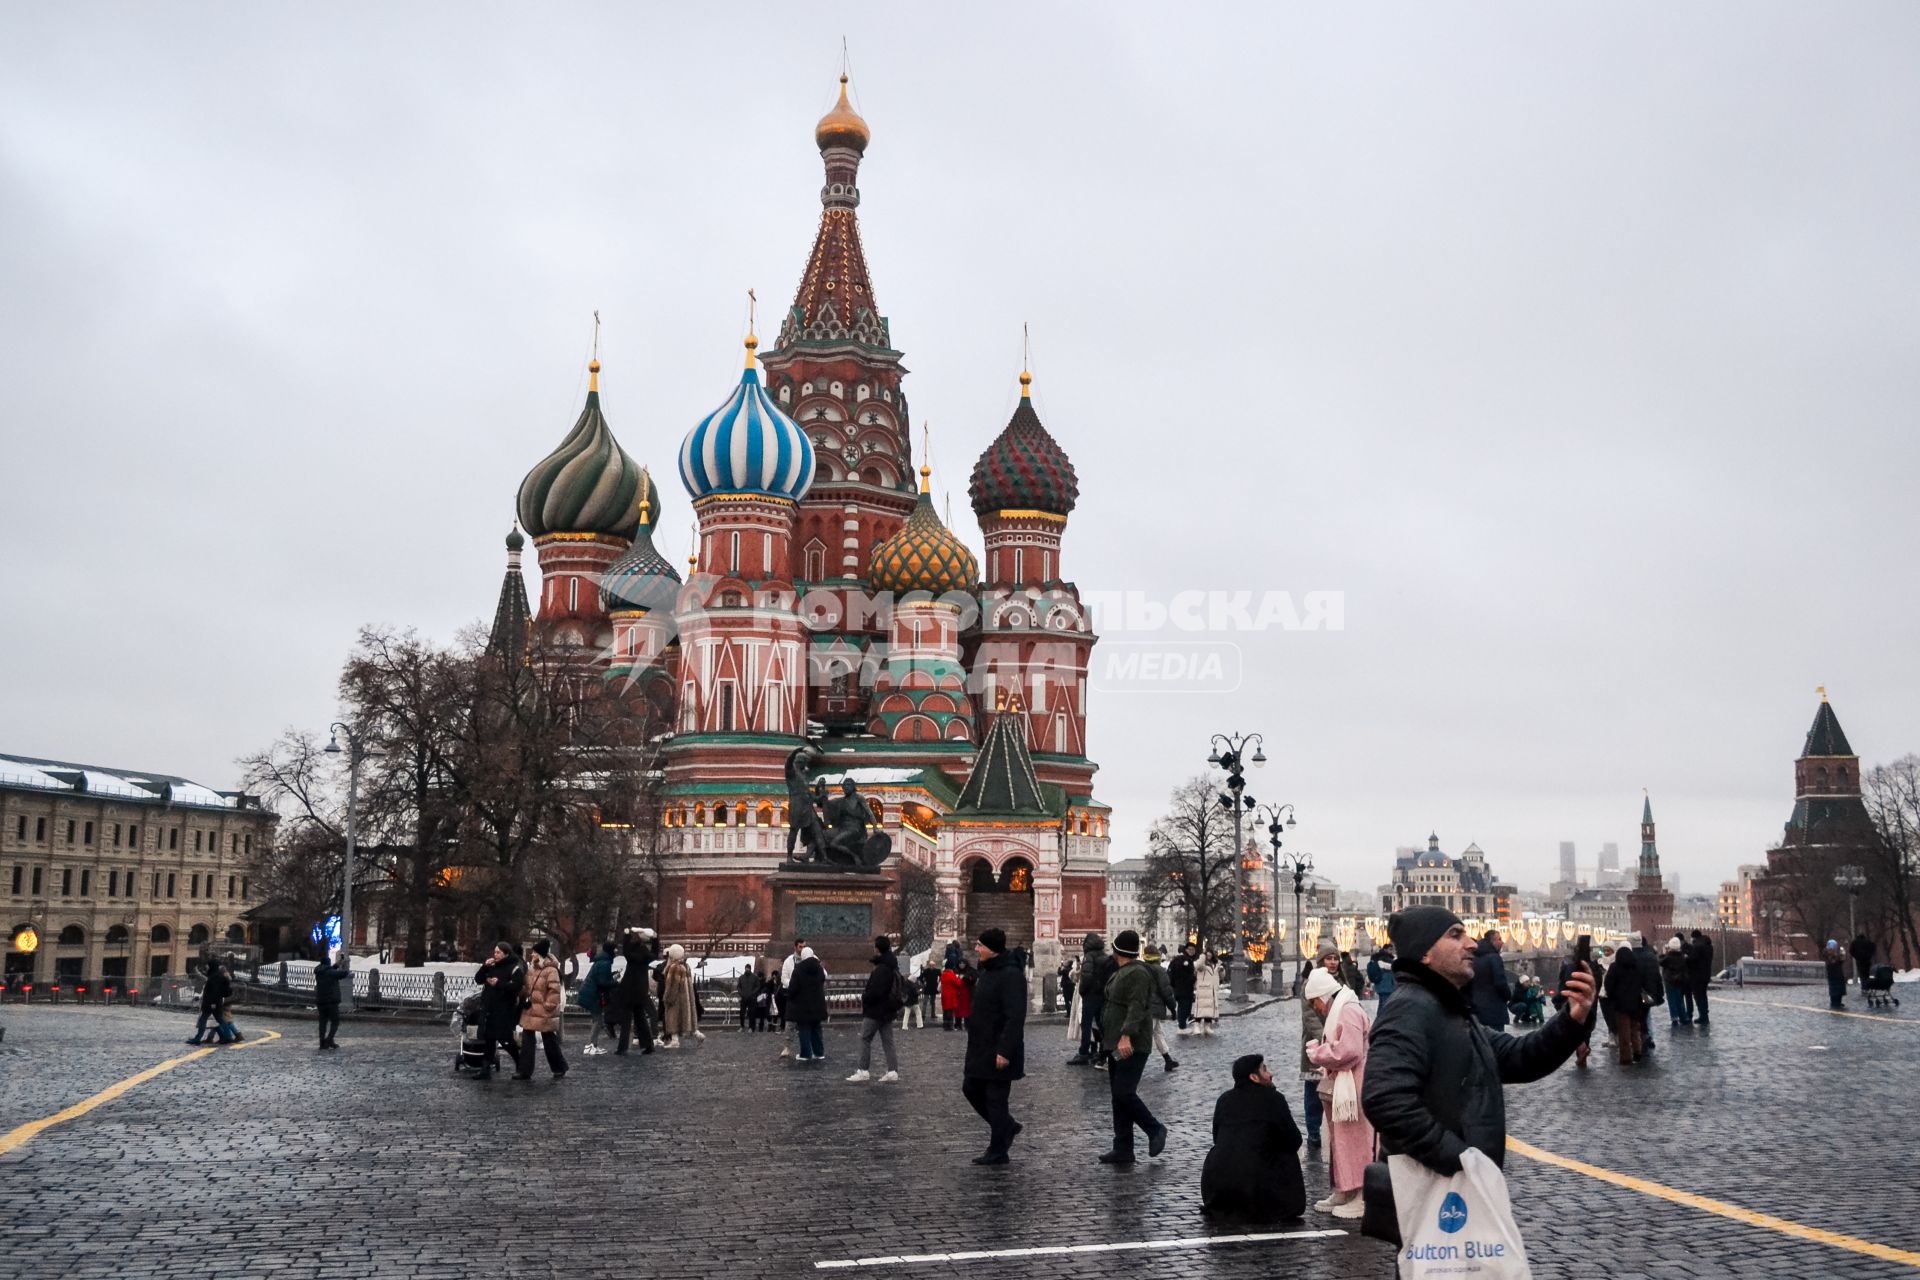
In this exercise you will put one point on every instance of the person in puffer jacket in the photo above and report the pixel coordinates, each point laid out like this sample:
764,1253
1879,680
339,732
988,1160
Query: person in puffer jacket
540,1019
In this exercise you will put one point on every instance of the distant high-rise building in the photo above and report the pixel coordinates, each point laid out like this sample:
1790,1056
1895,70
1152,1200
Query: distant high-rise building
1609,856
1568,874
1607,874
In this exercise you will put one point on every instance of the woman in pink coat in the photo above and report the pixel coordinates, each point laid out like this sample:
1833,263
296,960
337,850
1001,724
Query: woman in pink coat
1342,1053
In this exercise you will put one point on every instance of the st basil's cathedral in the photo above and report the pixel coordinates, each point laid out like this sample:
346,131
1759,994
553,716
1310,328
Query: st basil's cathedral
826,598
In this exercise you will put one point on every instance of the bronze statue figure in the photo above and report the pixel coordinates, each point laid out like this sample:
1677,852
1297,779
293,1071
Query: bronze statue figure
834,832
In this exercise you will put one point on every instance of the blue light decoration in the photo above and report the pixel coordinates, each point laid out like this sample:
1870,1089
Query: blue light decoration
327,933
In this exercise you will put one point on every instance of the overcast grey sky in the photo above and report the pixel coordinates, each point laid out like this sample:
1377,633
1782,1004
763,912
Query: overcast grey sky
1576,348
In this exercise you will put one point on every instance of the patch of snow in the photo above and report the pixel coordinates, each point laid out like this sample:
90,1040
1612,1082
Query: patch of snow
30,774
1906,975
203,797
871,773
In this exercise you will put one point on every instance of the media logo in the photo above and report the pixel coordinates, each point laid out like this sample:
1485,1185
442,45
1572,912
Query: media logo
1453,1213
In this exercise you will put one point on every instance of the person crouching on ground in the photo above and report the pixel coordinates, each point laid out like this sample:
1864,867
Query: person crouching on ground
879,1001
679,1015
501,981
540,1020
996,1044
1252,1173
1341,1055
1126,1021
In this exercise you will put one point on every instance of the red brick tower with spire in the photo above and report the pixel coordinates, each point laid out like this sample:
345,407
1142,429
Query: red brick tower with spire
1649,905
834,369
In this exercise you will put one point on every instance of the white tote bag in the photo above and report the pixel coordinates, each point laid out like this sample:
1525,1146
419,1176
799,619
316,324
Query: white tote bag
1459,1228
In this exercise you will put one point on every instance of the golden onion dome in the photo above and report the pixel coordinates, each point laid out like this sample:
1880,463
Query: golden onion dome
924,555
842,126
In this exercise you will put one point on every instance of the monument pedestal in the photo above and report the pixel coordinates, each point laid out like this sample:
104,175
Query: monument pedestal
839,913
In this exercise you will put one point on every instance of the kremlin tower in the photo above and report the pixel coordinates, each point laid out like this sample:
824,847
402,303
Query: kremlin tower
1649,904
828,604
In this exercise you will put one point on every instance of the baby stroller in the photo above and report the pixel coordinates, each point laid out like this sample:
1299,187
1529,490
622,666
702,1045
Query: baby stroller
1879,987
1530,1006
472,1055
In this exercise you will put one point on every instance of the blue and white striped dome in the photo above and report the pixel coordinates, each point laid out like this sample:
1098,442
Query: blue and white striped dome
747,445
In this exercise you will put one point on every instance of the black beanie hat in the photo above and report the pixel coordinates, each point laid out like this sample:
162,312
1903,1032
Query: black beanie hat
1414,930
543,947
881,945
994,939
1244,1067
1126,943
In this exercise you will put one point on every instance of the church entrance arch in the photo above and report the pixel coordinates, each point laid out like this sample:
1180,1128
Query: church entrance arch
999,895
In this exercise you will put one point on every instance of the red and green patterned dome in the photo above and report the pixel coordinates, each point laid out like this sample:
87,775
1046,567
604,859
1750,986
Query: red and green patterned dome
924,555
1024,469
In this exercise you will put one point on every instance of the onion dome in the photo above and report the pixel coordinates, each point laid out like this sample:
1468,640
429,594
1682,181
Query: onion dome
588,485
515,540
747,445
1024,469
641,579
842,126
924,555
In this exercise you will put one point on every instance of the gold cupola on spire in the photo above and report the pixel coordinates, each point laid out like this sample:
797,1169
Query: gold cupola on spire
842,126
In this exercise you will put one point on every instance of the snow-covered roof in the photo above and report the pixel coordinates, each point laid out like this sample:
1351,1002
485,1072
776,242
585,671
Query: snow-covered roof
876,774
59,775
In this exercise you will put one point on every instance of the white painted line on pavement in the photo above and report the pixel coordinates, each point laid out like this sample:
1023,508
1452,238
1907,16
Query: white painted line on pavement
1055,1250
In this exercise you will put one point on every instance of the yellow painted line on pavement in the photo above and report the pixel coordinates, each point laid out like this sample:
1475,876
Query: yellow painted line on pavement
34,1128
1750,1217
1833,1013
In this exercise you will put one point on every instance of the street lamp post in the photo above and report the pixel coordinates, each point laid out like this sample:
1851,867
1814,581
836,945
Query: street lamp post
1229,753
1277,816
357,753
1853,880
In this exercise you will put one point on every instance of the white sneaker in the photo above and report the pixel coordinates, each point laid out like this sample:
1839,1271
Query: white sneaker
786,1053
673,1042
859,1077
1326,1206
699,1035
1354,1208
892,1077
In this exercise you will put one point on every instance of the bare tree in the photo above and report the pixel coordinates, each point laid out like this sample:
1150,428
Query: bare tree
300,869
1892,865
406,698
919,907
1191,863
732,911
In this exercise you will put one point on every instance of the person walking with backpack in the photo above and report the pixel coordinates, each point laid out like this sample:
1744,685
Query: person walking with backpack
327,976
1095,969
1127,1032
880,999
540,1019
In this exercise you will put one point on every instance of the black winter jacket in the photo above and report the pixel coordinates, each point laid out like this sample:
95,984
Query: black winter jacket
1649,961
807,993
1624,984
326,982
1434,1075
1700,960
217,991
880,999
1490,990
1181,974
998,1024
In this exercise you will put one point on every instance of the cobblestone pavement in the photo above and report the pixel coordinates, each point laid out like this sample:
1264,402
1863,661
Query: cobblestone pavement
722,1161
